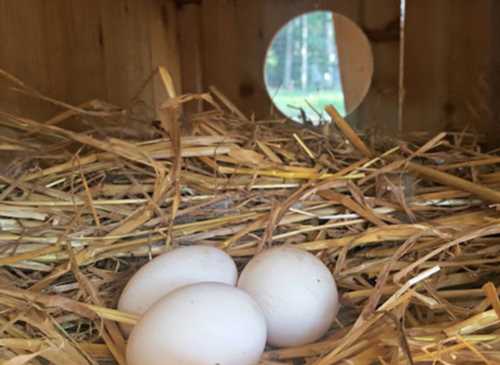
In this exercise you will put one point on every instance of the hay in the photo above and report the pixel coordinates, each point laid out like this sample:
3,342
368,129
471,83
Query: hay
410,230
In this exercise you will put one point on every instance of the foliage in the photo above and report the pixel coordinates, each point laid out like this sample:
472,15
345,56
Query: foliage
302,64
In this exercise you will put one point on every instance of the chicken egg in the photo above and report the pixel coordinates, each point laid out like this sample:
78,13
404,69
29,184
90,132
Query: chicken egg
200,324
295,290
179,267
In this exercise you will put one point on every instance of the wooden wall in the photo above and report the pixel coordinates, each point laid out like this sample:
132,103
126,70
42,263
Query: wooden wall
450,58
450,64
235,35
77,50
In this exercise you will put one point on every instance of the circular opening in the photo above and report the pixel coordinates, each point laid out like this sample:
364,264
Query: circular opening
316,59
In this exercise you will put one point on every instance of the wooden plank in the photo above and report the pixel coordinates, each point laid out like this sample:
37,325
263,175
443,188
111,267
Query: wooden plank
164,49
447,65
22,53
220,33
79,73
494,73
56,15
378,112
469,60
189,35
425,75
125,37
77,50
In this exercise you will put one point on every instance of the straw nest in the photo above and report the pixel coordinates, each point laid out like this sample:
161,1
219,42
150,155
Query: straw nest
410,231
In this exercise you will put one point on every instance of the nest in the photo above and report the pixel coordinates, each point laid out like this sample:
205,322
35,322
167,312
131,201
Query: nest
409,230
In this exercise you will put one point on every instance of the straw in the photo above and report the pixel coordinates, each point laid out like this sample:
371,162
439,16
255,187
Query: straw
410,231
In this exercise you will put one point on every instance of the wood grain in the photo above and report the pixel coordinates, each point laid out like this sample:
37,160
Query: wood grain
244,30
448,60
76,50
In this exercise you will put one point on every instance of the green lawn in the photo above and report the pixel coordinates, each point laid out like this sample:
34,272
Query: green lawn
283,99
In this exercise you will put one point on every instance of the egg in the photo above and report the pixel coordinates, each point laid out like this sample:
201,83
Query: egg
179,267
295,290
200,324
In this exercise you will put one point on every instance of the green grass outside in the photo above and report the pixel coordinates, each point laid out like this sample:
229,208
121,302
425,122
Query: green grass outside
283,99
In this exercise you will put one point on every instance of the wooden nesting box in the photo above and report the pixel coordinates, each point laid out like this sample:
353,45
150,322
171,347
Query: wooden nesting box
115,147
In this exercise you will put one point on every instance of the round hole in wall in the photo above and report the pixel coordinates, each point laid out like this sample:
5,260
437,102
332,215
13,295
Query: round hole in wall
316,59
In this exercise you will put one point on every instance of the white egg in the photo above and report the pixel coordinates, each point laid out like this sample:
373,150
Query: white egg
200,324
174,269
295,290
